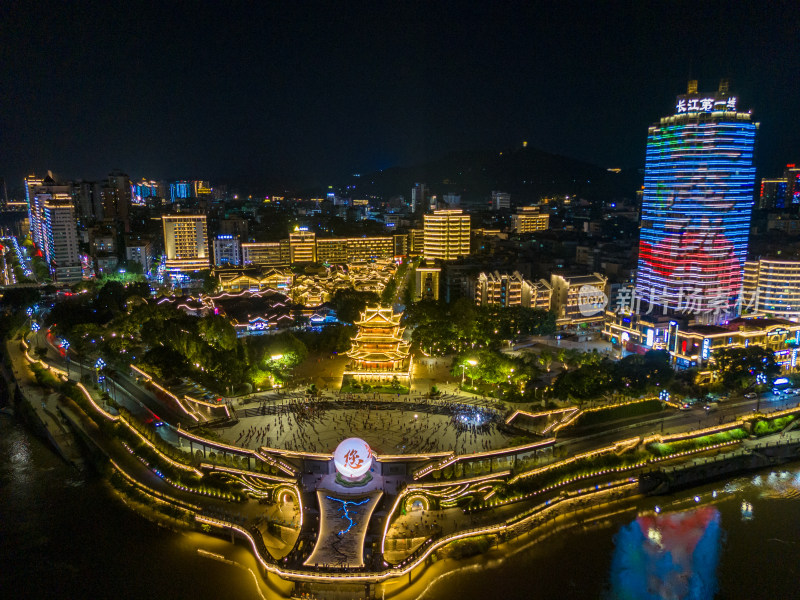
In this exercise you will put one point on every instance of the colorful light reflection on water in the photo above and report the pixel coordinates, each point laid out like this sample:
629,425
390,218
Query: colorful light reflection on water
668,556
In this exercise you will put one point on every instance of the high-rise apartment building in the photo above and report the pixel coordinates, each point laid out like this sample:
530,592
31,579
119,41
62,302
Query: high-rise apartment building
698,195
227,251
60,231
117,198
513,289
529,219
88,199
37,193
418,195
446,235
186,243
32,183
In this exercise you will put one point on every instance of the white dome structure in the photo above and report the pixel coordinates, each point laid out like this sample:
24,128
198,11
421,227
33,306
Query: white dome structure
352,458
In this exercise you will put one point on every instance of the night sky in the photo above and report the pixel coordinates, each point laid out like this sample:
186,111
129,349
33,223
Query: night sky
307,92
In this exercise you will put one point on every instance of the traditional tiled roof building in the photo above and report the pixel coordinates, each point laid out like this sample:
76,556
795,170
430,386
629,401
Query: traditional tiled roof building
379,353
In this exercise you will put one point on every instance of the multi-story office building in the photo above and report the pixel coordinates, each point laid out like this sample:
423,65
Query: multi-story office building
698,195
60,230
501,201
773,193
271,254
227,251
529,219
446,235
302,246
186,243
772,287
139,251
792,176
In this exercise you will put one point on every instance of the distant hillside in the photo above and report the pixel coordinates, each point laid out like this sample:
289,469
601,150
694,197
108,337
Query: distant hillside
526,173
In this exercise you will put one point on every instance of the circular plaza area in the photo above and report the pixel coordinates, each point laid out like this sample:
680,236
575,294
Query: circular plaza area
404,425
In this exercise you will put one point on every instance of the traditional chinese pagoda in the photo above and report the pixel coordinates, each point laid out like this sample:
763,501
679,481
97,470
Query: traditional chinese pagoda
379,353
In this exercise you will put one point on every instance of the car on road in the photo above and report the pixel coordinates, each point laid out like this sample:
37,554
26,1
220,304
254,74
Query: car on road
751,395
685,406
711,407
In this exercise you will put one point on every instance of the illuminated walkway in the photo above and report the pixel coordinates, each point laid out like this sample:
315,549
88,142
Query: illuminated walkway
343,526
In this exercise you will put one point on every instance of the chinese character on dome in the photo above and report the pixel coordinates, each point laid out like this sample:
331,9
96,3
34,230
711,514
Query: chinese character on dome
693,104
352,459
707,104
731,103
681,107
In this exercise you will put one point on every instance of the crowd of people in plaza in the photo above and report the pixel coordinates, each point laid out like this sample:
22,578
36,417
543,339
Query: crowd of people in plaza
305,423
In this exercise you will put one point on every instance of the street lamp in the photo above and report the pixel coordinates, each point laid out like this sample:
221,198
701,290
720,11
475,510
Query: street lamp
98,366
65,345
472,363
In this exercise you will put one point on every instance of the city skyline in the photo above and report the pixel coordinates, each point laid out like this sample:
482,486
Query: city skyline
290,97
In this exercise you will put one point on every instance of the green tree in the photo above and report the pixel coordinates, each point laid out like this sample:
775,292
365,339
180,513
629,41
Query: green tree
349,304
740,367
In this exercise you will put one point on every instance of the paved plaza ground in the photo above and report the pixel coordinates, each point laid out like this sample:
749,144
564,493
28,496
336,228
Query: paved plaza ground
388,427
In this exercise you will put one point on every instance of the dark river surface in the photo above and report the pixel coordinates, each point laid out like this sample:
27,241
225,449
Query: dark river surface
64,534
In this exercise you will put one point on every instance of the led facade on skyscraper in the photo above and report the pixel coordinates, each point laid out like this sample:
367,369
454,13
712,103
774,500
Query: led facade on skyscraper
698,196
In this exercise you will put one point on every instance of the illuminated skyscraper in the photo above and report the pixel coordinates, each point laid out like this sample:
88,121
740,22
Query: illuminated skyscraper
60,232
698,195
446,235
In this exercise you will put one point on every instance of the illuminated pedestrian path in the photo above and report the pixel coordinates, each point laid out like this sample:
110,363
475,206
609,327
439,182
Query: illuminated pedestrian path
344,520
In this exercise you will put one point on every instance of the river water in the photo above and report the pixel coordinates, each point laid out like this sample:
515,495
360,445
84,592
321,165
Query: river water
67,535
